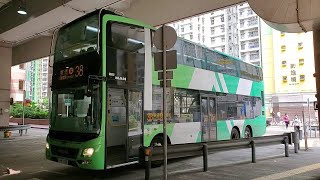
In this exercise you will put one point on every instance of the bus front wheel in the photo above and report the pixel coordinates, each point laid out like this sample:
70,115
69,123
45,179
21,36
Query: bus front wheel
235,134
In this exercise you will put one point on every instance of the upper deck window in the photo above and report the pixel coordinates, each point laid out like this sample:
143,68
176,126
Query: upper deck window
77,38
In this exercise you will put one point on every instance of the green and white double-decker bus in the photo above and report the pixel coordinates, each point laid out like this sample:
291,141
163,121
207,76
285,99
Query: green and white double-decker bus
107,102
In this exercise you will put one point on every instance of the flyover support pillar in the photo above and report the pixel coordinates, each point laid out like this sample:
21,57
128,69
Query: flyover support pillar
5,79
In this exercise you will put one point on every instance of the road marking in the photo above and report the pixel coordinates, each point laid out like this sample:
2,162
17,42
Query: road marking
48,171
291,172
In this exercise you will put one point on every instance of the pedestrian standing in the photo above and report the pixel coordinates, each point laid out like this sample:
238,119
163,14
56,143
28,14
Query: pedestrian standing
296,123
274,122
278,116
286,120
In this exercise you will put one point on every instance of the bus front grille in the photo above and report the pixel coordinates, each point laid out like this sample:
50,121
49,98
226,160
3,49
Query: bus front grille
64,152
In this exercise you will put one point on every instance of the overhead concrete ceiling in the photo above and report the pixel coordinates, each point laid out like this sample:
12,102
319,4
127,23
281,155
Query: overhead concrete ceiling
45,16
3,2
288,15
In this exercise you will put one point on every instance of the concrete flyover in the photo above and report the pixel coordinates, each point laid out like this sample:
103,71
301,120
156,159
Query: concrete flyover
27,37
288,15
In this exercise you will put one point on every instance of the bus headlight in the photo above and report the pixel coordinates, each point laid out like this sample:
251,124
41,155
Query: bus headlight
47,146
87,152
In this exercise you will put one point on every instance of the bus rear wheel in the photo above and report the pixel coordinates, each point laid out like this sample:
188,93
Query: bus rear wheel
157,141
235,134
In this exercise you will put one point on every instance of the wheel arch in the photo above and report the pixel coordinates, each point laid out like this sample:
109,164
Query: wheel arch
160,135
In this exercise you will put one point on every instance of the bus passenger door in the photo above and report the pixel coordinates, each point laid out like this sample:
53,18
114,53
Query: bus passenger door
135,126
204,119
116,130
208,119
212,118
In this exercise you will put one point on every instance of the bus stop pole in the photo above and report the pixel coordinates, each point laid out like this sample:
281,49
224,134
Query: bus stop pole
23,105
309,116
305,132
164,61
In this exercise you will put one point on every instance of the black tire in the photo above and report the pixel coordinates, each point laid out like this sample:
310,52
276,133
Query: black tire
247,133
234,134
156,141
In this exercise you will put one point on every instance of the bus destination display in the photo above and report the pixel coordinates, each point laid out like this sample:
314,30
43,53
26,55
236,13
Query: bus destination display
71,72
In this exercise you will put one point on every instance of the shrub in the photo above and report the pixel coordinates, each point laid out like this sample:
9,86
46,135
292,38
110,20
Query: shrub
33,111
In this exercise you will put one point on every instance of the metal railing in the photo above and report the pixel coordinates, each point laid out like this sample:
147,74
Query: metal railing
198,149
19,128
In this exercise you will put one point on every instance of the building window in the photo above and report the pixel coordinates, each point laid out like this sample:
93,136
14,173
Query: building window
212,20
21,66
229,27
213,40
302,77
284,78
300,45
198,37
254,44
243,46
284,63
190,26
203,29
21,84
222,29
222,18
203,20
223,49
191,36
229,38
301,61
182,29
212,30
252,22
223,39
254,55
253,33
199,27
242,35
229,18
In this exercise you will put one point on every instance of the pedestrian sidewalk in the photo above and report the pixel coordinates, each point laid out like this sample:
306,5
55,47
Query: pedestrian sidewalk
34,126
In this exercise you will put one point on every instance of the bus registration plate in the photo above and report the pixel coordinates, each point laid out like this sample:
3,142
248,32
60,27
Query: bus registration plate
63,161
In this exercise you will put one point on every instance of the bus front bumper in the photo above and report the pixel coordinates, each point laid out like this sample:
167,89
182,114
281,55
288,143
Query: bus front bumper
72,153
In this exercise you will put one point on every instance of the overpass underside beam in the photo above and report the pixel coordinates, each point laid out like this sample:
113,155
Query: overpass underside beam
5,78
